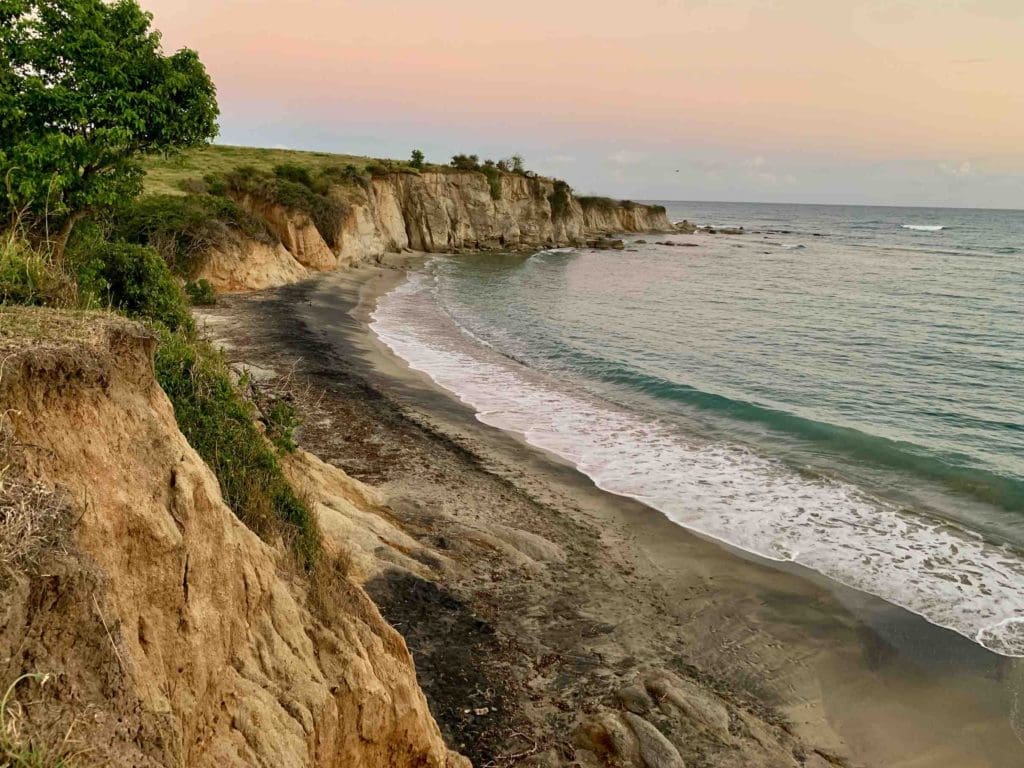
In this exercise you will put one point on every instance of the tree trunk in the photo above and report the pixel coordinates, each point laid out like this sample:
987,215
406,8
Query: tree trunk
61,241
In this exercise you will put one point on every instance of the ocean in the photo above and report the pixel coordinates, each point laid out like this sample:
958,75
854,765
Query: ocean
840,387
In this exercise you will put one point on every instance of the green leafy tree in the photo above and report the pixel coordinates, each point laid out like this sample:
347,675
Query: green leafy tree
85,90
417,159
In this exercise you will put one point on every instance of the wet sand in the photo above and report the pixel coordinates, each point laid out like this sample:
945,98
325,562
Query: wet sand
603,589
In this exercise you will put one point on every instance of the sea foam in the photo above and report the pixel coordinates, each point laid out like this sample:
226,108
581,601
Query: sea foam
949,576
923,227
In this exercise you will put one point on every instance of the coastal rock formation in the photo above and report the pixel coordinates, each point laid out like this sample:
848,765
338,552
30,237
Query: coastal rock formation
444,211
296,231
173,635
242,264
432,212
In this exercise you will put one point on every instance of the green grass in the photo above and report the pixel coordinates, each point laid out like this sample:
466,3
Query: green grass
183,172
219,424
167,175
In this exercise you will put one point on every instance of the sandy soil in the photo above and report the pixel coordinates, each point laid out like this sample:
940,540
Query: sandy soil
557,617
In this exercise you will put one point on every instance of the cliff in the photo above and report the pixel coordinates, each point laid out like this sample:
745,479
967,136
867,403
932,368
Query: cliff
173,634
436,211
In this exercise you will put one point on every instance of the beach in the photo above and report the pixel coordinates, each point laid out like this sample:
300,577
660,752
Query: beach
545,599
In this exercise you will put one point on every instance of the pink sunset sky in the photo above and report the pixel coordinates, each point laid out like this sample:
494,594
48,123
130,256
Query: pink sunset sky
899,102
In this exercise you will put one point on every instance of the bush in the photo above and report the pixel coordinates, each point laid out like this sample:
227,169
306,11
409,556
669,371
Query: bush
417,159
200,293
560,199
27,276
282,421
325,212
466,162
183,229
133,279
345,175
298,174
218,422
490,170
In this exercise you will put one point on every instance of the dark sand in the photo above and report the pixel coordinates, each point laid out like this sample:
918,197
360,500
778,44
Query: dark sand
811,672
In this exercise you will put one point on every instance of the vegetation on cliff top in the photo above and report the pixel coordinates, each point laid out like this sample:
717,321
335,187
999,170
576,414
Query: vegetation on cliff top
72,139
295,187
71,134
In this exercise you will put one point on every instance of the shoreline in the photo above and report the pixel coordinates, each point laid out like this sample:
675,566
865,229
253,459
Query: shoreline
840,666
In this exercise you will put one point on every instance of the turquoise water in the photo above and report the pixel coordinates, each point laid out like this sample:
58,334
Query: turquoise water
840,386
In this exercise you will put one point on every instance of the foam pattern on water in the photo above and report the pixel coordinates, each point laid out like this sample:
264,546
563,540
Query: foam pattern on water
947,575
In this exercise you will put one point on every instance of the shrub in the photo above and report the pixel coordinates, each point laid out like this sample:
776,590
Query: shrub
417,159
299,174
466,162
490,170
218,422
346,175
27,276
282,421
183,229
200,293
133,279
560,199
325,212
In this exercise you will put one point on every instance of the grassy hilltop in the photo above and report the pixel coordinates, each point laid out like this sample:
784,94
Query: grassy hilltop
166,175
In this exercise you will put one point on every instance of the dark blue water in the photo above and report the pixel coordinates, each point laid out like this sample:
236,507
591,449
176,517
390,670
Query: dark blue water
839,386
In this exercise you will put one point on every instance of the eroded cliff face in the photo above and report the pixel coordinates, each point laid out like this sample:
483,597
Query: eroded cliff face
445,211
434,212
174,635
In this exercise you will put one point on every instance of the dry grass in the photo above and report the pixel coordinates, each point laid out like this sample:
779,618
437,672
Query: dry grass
19,749
34,519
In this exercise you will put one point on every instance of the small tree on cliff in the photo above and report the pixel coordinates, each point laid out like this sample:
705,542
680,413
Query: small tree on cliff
417,158
85,90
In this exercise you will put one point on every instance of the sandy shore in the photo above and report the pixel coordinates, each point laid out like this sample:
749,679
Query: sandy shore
548,599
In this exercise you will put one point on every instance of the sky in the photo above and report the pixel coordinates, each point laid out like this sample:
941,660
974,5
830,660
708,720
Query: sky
890,102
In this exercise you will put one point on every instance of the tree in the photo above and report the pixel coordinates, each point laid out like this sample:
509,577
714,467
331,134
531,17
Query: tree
517,163
85,90
417,159
466,162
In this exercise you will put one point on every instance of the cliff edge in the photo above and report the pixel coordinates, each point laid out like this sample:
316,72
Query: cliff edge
171,633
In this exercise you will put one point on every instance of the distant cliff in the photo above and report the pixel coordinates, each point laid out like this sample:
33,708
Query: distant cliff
436,211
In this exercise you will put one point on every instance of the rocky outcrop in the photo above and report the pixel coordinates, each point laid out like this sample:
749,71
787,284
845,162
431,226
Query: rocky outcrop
444,211
173,634
244,264
296,231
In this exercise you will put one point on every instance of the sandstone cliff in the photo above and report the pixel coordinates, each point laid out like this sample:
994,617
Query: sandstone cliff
173,634
438,211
